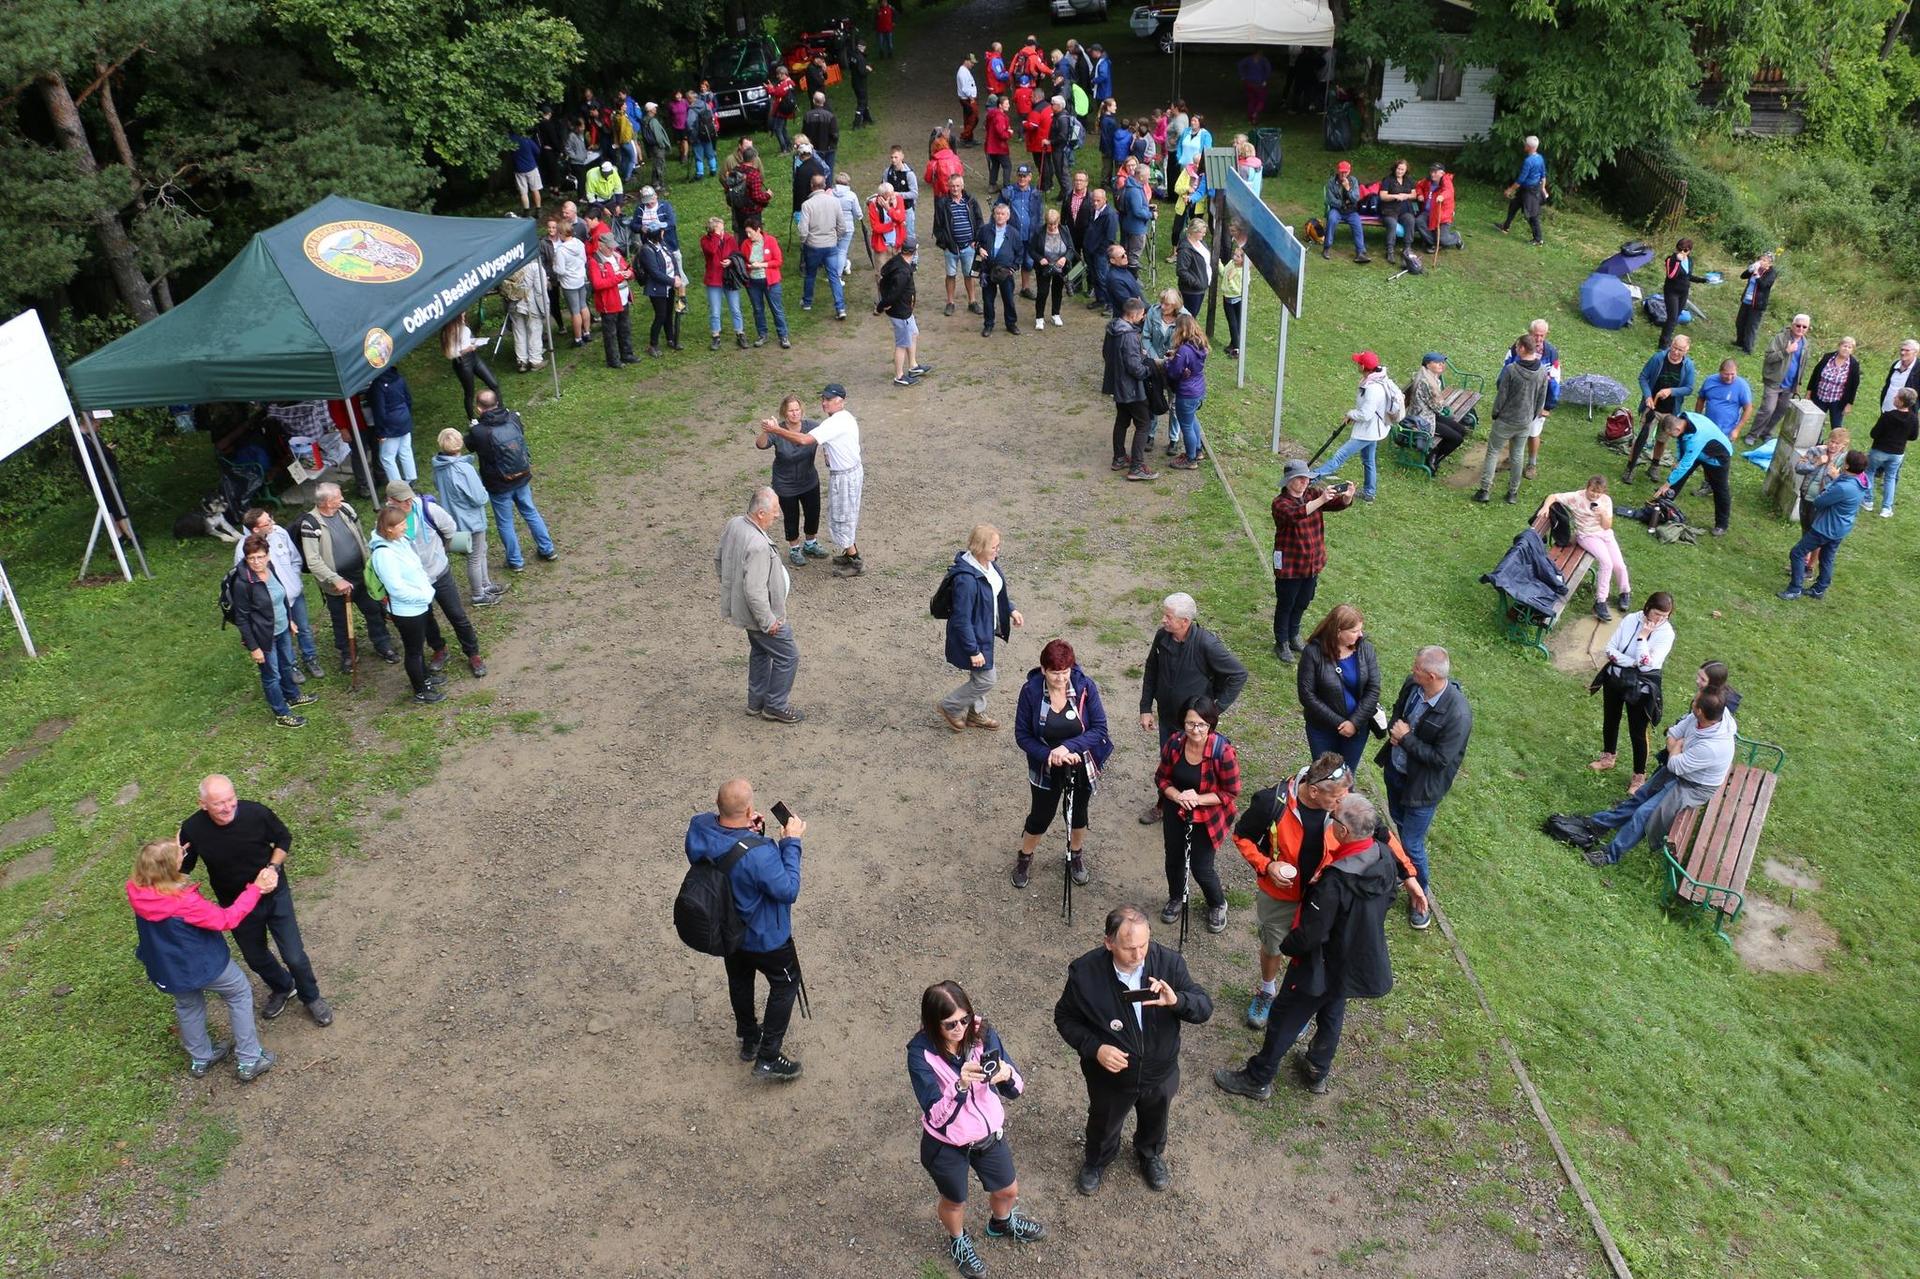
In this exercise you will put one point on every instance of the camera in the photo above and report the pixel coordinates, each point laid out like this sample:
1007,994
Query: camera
990,1065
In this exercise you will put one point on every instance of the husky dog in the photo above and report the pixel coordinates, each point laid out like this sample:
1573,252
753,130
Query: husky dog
210,520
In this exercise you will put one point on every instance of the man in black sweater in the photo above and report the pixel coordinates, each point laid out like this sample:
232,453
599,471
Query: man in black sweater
1186,661
1129,1047
235,838
896,303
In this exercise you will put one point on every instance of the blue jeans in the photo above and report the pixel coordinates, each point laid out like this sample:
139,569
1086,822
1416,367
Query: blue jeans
771,666
1629,819
297,611
396,458
1368,451
1797,561
766,297
274,915
190,1011
721,298
704,160
842,253
911,233
815,260
276,673
883,43
518,498
1186,412
1319,741
1352,221
1883,464
1411,820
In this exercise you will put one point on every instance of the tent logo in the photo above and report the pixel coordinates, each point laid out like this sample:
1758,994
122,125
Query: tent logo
363,252
378,347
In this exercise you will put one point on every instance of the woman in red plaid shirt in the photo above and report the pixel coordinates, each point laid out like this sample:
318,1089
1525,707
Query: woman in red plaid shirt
1199,778
1299,553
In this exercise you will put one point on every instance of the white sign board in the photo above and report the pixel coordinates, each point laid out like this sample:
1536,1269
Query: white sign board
32,396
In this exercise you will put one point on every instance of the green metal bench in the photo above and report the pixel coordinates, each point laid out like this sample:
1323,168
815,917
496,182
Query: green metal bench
1710,850
1459,405
1523,625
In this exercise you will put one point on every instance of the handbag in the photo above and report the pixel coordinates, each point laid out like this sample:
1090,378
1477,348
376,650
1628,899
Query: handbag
1156,385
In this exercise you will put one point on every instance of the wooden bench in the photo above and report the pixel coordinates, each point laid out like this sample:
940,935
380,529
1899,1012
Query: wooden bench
1458,405
1710,850
1523,625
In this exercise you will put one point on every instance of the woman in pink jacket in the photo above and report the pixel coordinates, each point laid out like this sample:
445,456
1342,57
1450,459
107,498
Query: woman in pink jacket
960,1072
186,956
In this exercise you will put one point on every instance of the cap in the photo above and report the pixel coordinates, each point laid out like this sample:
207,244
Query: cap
397,491
653,106
606,166
1343,167
1433,357
1297,468
1438,167
910,245
1027,169
833,391
646,193
1366,360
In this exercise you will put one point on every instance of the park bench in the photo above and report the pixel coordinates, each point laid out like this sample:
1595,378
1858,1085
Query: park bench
1460,405
1524,625
1710,850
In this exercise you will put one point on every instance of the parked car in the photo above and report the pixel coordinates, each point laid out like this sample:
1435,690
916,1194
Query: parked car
1154,22
739,71
1094,9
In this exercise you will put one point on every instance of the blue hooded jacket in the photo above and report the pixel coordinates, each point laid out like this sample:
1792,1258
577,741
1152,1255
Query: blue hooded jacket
1835,510
766,882
1651,370
1084,703
1135,217
1693,447
976,620
390,404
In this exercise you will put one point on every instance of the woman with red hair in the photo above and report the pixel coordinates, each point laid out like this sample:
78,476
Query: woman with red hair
1062,727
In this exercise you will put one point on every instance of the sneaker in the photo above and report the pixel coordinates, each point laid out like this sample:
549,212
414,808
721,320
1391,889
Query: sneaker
1183,464
390,656
1058,323
839,315
778,1069
986,330
1601,611
1039,322
321,1012
429,695
1718,530
1089,1179
1140,473
484,601
974,308
1418,918
305,699
1482,495
1170,913
760,341
749,1047
1217,918
1118,464
498,589
950,308
785,715
1022,869
1624,601
1077,867
1886,512
1816,595
713,343
1150,814
437,662
740,340
478,666
1018,1227
290,721
1027,293
786,344
276,1003
904,380
299,676
815,551
1315,1083
1598,857
965,1259
549,557
954,722
796,557
1513,496
314,668
1240,1084
920,370
1532,470
1791,593
248,1071
1154,1170
199,1069
1259,1008
1285,654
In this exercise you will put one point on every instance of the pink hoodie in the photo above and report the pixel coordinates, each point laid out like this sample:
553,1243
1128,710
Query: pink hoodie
155,906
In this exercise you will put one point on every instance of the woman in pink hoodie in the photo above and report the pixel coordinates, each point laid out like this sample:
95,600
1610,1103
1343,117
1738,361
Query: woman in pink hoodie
186,956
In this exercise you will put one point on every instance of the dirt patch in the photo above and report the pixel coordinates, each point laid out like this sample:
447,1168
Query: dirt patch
37,862
1790,875
126,794
35,825
1780,939
43,734
1579,642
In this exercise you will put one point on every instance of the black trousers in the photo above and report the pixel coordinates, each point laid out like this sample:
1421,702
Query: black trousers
1289,1017
1045,800
1676,300
1746,326
781,968
663,322
1446,438
1131,413
1526,201
1234,313
416,635
1052,285
447,596
1182,856
274,915
372,612
999,171
1291,595
616,333
468,367
1107,1110
792,509
989,289
1716,479
1637,723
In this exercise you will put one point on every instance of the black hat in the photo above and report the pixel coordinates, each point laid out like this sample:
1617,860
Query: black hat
833,391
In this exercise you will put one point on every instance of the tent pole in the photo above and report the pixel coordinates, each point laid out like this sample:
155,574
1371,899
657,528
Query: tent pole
360,446
13,603
1246,296
119,499
99,501
553,351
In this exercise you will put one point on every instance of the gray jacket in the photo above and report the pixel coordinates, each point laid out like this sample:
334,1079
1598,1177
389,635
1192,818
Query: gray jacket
428,537
1521,395
458,480
823,220
316,544
753,581
1127,365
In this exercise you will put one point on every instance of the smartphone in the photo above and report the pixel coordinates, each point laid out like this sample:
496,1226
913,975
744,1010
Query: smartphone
1140,996
782,814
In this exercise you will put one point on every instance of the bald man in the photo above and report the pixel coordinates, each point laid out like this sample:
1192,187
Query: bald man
235,838
765,875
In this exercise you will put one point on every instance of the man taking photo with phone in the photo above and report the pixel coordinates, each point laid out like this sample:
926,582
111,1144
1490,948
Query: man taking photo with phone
765,879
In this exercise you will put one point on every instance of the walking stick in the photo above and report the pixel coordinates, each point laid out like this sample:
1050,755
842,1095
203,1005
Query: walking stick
1315,459
353,646
1066,867
1186,877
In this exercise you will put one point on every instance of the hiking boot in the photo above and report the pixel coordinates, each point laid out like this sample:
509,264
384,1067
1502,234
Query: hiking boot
1027,293
1077,867
1018,1227
1022,869
1240,1084
1285,653
974,308
986,330
1598,857
248,1071
1513,495
1260,1008
796,557
954,722
1601,611
1170,913
1154,1170
965,1259
777,1069
760,341
199,1069
1150,814
988,722
1482,495
1141,473
1624,601
1326,253
1532,470
438,661
477,666
1217,919
1361,259
314,668
1118,464
1315,1082
784,715
749,1047
321,1012
290,721
429,695
740,340
849,566
1089,1179
305,699
815,551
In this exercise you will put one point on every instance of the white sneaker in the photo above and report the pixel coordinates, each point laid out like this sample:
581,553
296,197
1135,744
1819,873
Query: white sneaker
1040,324
1056,322
1886,512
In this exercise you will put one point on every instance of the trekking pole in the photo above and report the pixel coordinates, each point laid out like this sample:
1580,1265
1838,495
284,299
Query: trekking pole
800,981
1186,876
353,647
1066,867
1315,459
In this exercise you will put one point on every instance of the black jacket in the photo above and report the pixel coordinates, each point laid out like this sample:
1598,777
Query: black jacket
1013,250
1122,283
499,442
1190,268
803,178
1912,379
1177,671
1094,233
896,288
1436,745
823,130
1527,576
1323,698
1339,945
1090,1007
1036,248
858,68
943,225
1847,392
253,610
1125,371
1763,290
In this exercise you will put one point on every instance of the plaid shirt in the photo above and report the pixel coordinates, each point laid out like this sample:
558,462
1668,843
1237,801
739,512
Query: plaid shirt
1219,775
1299,538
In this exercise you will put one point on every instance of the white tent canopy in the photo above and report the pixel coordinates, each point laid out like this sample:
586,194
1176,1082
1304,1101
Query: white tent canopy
1248,22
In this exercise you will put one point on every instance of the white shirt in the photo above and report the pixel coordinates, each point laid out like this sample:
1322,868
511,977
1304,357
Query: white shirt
1626,648
1897,379
1135,980
963,84
993,577
839,435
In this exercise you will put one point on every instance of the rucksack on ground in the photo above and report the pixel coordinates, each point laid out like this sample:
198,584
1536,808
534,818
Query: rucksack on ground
1572,829
229,590
941,605
704,913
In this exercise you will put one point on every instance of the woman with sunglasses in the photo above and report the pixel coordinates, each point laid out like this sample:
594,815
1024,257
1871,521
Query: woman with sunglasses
961,1073
1199,780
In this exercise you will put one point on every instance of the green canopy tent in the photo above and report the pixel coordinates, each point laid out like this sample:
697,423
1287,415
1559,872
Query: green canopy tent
313,308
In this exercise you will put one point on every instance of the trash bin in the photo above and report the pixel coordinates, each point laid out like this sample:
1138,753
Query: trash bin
1266,144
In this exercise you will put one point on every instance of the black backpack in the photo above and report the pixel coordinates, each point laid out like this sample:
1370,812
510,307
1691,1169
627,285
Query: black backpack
1575,830
734,188
941,605
704,914
229,589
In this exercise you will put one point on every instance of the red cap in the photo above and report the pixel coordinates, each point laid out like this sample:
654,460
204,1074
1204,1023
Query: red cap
1366,359
1343,167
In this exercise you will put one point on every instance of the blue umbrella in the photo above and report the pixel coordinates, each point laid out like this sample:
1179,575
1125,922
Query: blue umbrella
1594,390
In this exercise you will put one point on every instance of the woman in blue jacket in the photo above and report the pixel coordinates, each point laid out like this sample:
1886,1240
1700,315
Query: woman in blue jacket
390,405
982,611
1062,727
409,599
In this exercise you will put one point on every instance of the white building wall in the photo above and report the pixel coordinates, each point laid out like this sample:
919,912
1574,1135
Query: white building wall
1420,123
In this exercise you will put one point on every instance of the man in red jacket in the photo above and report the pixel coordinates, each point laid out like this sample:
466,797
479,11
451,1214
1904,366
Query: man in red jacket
1039,134
999,144
612,278
883,28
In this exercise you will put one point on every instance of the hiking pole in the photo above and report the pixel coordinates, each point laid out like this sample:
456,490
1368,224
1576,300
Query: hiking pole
353,645
1186,876
1315,459
1066,867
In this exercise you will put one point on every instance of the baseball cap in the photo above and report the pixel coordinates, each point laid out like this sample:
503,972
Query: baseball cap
652,106
833,391
1438,167
606,166
910,245
1367,360
646,193
1343,167
1296,469
397,491
1433,357
1027,169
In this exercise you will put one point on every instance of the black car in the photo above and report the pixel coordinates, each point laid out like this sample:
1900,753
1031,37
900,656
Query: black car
739,71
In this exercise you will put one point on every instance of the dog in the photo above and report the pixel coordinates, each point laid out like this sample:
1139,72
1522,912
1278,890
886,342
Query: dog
210,520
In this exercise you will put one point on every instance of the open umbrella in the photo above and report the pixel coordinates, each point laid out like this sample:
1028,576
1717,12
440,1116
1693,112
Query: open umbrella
1595,390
